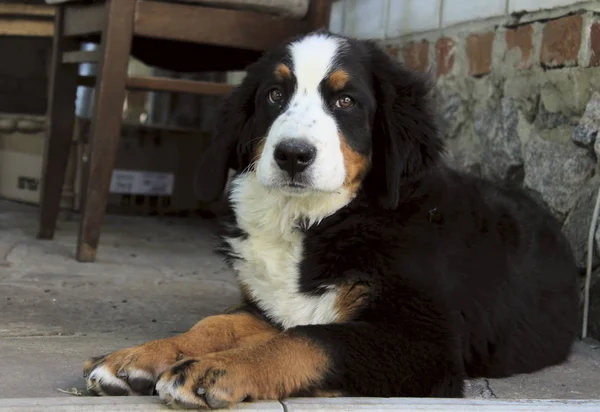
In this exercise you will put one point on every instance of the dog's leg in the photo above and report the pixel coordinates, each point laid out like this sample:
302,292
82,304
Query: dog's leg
134,371
356,359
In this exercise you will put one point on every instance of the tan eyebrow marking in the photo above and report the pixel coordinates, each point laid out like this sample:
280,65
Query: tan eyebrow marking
338,79
282,72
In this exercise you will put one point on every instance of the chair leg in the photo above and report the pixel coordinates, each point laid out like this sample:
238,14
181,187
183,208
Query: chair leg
59,136
318,14
105,128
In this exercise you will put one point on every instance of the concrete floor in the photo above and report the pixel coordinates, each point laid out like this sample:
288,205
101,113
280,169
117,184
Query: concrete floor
154,277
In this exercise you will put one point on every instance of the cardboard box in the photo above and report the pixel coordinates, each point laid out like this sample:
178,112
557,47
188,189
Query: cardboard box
154,171
21,159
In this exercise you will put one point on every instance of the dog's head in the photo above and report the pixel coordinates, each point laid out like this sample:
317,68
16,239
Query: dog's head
325,114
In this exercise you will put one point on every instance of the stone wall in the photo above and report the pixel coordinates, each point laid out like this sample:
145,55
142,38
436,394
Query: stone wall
520,101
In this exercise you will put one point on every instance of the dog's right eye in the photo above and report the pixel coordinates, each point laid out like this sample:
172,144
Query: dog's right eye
344,102
276,96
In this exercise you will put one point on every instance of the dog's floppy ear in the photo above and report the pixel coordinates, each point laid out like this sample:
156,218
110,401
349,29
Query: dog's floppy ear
406,142
234,128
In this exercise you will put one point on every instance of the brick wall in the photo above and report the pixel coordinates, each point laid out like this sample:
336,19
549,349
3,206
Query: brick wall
572,40
388,19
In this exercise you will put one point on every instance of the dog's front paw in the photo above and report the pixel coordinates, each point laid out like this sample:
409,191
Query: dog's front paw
131,371
214,381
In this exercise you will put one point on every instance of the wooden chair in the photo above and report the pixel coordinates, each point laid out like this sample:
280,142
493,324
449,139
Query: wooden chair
176,35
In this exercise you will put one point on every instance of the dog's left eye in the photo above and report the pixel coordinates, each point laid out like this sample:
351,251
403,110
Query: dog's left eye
276,96
344,102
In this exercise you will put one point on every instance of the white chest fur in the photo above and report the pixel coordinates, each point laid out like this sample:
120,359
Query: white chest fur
269,257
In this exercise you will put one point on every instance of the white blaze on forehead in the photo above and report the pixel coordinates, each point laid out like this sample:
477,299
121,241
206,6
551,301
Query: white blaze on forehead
312,59
308,118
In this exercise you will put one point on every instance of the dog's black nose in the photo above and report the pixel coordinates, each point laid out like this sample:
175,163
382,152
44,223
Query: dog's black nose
294,155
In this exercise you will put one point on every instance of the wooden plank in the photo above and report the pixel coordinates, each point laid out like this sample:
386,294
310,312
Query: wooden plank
82,19
26,27
318,14
59,135
178,85
214,26
105,128
81,56
161,84
27,10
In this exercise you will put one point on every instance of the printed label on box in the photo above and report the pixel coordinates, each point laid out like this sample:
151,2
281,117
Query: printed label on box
132,182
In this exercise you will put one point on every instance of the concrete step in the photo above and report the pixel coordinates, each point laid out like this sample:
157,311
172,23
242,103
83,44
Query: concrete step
151,404
110,404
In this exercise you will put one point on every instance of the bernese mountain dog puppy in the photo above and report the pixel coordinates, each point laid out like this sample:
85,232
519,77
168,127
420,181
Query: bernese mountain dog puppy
367,266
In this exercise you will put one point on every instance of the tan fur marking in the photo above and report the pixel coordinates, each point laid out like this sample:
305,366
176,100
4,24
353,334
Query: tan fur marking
212,334
282,72
272,370
351,298
223,332
338,79
152,357
293,364
355,163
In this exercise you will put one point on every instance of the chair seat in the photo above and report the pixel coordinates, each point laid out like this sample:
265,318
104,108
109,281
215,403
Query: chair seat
285,8
188,57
